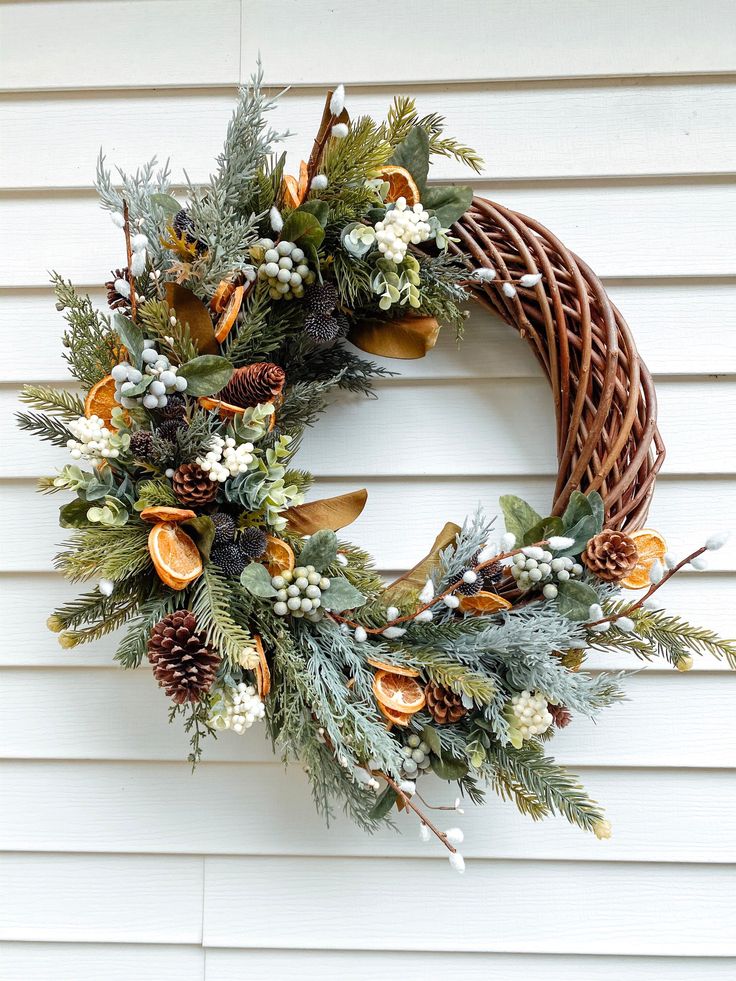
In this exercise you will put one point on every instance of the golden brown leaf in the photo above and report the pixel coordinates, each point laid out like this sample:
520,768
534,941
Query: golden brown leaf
190,310
410,337
331,513
413,580
484,603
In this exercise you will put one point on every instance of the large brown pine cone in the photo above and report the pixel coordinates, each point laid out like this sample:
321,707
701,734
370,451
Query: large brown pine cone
610,555
183,664
254,384
193,486
443,704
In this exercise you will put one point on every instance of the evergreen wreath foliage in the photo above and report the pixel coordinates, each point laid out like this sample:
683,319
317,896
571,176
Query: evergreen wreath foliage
247,303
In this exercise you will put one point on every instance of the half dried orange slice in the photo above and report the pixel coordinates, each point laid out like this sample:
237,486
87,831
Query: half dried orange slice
263,672
395,718
278,557
398,692
651,547
394,668
152,515
229,316
484,602
175,556
100,400
401,184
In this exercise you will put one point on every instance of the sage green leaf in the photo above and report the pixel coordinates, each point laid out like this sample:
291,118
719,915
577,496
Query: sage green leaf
166,202
207,374
432,739
320,210
140,388
320,550
131,336
304,228
448,202
545,528
202,530
598,509
518,515
341,595
449,768
577,507
74,514
413,155
256,579
574,599
581,532
384,804
477,753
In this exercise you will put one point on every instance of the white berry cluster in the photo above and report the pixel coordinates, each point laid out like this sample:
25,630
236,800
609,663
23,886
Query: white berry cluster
299,593
530,714
93,441
285,269
416,756
157,367
226,458
534,567
402,226
236,708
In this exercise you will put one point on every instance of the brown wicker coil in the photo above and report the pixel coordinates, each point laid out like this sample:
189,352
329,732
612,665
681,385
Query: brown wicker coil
604,398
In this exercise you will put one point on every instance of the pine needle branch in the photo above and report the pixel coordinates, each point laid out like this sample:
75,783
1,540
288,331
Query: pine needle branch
56,401
45,427
211,606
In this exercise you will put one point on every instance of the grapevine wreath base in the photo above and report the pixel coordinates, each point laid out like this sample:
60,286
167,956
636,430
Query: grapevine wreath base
231,321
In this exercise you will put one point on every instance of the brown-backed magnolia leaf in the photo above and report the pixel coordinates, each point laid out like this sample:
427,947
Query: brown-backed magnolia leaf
190,310
409,337
414,580
331,513
484,602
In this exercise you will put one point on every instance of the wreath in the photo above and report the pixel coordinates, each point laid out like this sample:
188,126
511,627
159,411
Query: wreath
232,319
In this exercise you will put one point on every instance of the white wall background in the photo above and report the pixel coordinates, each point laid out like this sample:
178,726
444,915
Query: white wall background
613,123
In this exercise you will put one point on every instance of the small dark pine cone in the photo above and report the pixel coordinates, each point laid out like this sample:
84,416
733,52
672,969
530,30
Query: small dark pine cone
561,715
141,446
184,228
175,408
444,705
610,555
169,429
183,664
320,298
230,558
253,542
193,486
491,575
321,327
224,528
471,588
116,300
254,384
343,323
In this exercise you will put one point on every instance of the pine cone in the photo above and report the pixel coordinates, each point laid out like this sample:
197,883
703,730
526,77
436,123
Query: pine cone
175,408
224,528
471,588
193,486
320,298
141,446
321,327
183,664
184,228
169,428
115,299
253,542
561,715
230,558
610,555
254,384
444,705
491,575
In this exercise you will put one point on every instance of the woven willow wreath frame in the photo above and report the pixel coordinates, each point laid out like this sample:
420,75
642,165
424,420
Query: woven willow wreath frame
232,320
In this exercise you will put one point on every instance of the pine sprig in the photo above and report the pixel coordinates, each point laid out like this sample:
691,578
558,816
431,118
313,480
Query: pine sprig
211,606
47,428
57,401
92,348
132,648
106,553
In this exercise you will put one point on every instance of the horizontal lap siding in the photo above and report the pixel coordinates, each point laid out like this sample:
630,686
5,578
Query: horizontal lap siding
118,861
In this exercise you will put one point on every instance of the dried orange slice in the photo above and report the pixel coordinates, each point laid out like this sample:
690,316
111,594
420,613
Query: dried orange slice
484,603
152,515
100,400
395,718
651,546
175,556
225,323
401,184
263,672
278,557
397,692
227,411
395,669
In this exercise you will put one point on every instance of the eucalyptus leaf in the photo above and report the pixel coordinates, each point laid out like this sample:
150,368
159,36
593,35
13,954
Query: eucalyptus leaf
449,768
384,804
413,155
477,753
448,202
518,515
545,528
206,375
341,595
574,599
256,579
96,489
320,550
581,532
131,336
432,738
598,509
166,202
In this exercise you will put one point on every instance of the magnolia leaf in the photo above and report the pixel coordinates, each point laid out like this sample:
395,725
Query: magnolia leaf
384,804
320,210
413,580
581,533
206,374
545,528
432,738
131,336
74,514
518,515
191,311
166,202
202,530
574,599
320,550
449,768
342,595
140,388
413,155
332,513
448,202
598,509
405,338
577,507
257,580
304,228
